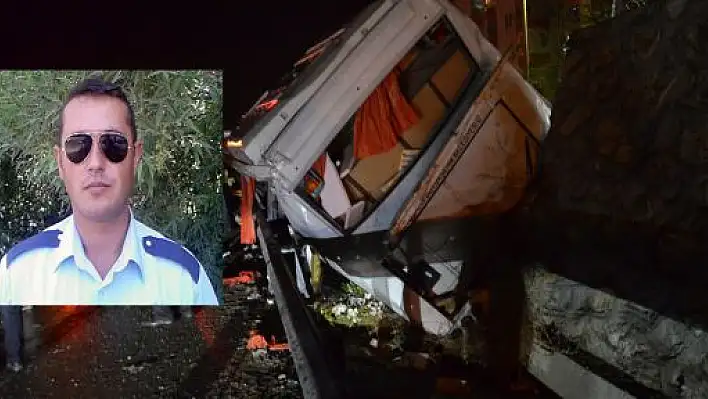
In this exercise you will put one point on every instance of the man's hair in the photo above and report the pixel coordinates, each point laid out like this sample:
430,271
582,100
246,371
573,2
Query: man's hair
95,86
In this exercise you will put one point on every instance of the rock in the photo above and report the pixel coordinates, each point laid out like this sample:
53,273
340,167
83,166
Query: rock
645,90
621,201
662,354
260,354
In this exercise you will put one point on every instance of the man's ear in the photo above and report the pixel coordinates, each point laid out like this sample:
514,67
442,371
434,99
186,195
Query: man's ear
60,161
137,154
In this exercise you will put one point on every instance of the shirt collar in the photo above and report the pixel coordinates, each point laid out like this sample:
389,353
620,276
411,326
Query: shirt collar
70,245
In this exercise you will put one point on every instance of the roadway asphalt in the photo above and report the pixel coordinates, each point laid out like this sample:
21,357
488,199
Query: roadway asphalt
113,352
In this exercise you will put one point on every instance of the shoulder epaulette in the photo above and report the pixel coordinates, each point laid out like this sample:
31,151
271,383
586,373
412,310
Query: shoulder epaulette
45,239
166,249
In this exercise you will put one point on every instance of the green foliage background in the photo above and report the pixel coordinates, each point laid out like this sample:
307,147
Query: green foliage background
179,185
547,45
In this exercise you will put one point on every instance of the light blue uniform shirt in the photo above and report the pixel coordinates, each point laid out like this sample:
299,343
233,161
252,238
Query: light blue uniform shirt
51,268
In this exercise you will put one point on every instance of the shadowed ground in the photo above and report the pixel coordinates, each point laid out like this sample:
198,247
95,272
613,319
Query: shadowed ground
89,352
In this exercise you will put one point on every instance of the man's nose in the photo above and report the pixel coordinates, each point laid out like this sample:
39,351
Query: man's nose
96,160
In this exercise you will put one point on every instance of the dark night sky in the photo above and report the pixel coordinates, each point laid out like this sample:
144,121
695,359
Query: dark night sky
274,36
254,41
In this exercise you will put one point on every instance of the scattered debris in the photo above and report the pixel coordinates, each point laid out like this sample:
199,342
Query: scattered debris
256,341
254,295
244,277
276,347
351,306
260,354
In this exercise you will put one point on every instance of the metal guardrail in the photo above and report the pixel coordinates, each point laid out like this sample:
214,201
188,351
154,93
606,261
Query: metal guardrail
312,363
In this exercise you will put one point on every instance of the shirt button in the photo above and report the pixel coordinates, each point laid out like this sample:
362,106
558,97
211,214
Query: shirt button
148,243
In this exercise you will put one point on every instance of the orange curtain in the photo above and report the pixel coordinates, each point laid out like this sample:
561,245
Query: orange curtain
248,225
383,117
319,165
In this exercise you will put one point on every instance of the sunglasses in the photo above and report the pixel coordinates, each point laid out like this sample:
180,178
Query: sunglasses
114,146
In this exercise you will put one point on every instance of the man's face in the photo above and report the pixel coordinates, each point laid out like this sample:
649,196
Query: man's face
98,188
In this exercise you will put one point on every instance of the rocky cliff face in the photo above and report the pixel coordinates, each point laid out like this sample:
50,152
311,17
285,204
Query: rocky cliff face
620,207
630,117
621,202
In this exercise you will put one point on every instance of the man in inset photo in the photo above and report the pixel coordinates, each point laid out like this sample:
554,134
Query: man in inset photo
101,254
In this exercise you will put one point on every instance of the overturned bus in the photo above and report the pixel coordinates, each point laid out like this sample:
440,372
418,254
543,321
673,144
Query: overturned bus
381,144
